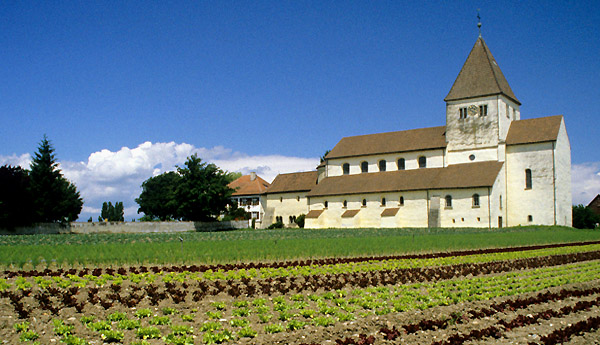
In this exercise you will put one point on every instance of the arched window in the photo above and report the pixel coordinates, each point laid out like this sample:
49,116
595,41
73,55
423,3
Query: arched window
382,201
475,200
345,203
382,165
346,168
325,204
364,202
364,167
448,200
401,164
422,162
528,182
291,219
401,201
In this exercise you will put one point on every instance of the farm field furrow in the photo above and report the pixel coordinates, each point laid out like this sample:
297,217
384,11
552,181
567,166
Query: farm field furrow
182,310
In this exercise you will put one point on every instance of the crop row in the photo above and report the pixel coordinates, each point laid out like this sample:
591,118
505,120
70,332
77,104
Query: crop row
245,317
411,266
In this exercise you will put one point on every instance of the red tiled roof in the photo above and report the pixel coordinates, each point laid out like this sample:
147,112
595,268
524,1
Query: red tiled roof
246,186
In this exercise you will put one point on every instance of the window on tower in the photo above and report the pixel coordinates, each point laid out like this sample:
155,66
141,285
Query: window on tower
462,112
483,110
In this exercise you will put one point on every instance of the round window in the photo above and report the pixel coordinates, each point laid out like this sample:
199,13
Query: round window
472,157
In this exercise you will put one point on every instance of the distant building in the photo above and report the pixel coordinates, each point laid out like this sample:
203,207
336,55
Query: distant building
485,168
595,205
247,194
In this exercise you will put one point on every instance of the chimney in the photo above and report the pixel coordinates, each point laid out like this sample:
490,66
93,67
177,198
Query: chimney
252,176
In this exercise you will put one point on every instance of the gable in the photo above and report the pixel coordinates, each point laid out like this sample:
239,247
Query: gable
537,130
294,182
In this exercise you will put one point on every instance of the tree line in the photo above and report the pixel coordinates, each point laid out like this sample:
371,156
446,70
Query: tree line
40,194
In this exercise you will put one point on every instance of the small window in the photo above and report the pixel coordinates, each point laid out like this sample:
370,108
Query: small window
471,157
280,199
462,113
364,202
294,219
382,165
298,198
345,203
528,181
291,219
325,204
401,164
483,110
530,218
507,113
448,201
346,168
475,200
382,201
401,201
422,162
500,201
364,167
514,114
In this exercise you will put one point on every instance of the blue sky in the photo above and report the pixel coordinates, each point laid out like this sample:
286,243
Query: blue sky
125,90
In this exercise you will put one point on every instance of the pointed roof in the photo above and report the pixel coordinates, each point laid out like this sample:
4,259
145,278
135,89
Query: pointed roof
536,130
249,185
480,76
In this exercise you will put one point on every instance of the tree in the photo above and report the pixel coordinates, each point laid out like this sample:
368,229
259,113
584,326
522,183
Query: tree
236,213
16,202
157,199
112,213
232,176
584,217
203,193
55,199
324,155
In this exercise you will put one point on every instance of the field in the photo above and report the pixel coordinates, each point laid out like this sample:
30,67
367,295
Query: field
517,286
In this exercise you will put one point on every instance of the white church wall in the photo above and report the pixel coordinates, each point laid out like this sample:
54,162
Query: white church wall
498,199
463,213
472,131
508,111
537,202
434,158
284,205
479,155
562,158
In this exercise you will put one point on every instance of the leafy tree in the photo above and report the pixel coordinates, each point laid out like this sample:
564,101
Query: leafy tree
584,217
300,220
236,213
202,193
112,213
232,176
158,197
55,199
16,202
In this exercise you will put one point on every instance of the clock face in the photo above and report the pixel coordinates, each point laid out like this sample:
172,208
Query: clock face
473,110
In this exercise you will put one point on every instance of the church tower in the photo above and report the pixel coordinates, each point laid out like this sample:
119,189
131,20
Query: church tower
479,109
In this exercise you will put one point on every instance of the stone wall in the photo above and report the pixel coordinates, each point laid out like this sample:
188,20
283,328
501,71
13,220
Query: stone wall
126,227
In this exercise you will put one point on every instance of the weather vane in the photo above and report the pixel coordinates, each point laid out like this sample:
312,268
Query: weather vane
479,22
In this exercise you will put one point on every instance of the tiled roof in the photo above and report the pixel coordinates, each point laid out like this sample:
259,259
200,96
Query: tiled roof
294,182
314,214
246,186
390,212
480,76
534,130
390,142
350,213
470,175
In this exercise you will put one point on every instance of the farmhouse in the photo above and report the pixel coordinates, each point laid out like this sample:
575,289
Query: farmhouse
485,168
247,193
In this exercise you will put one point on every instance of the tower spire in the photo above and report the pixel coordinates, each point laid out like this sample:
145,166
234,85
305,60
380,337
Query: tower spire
479,22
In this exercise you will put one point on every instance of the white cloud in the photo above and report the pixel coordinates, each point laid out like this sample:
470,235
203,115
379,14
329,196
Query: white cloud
117,176
585,182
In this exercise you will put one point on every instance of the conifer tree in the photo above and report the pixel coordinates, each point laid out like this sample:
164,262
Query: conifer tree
55,198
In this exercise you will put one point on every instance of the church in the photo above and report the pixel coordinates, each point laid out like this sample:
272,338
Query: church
485,168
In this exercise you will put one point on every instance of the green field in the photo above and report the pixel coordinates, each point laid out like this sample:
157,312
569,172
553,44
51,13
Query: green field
264,245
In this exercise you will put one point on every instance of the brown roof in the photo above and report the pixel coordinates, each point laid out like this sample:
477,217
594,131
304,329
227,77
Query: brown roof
389,212
246,186
534,130
294,182
482,174
390,142
595,205
314,214
350,213
480,76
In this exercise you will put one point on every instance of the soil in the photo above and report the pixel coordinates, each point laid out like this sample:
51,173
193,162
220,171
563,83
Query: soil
41,321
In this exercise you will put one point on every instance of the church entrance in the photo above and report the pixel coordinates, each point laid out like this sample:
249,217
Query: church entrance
434,212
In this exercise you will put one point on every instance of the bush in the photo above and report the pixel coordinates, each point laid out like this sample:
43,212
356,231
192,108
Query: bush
300,220
276,225
584,217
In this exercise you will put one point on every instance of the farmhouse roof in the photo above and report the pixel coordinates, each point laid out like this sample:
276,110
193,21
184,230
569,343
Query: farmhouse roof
595,205
249,185
534,130
390,142
468,175
293,182
480,76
